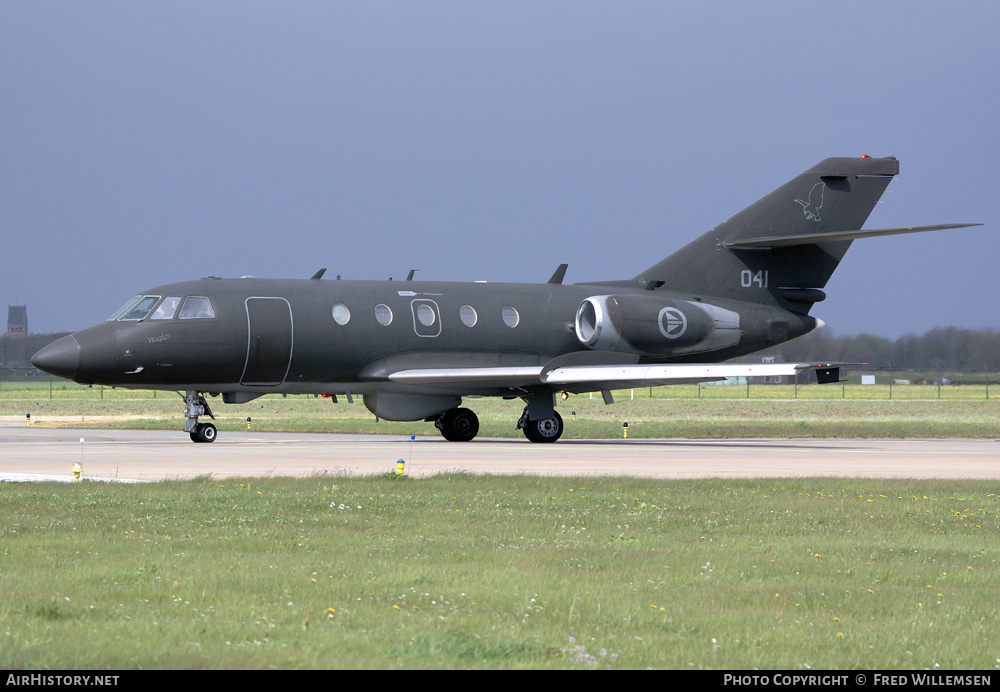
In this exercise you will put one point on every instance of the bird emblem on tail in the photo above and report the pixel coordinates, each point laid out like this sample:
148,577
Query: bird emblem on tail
814,203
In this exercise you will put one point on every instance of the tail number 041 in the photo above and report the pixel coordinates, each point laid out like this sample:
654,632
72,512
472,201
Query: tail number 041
749,279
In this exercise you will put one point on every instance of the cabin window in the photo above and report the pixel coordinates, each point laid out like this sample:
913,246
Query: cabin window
425,313
139,309
341,315
383,315
166,309
196,307
468,315
510,316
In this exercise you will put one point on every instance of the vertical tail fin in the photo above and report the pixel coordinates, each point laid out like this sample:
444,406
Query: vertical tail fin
834,196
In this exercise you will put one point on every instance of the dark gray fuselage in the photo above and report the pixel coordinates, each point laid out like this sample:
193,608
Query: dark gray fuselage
276,335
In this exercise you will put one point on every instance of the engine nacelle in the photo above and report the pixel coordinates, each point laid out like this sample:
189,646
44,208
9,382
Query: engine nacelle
652,326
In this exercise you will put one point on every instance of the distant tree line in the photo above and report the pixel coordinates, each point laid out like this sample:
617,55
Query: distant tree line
948,348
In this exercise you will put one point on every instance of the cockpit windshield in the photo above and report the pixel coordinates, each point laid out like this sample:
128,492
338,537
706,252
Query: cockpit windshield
121,311
166,309
139,308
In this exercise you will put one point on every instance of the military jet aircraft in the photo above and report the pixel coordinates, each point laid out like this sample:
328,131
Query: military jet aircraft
415,349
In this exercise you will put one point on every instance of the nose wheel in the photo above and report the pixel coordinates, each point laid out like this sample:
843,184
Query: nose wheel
194,406
205,432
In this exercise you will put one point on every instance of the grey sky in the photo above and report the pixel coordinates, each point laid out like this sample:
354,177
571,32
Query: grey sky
150,142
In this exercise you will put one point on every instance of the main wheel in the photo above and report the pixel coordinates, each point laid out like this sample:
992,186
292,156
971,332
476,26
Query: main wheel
205,432
459,425
544,429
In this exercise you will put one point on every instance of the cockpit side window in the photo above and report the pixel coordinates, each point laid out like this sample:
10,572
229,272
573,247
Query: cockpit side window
139,309
196,307
166,309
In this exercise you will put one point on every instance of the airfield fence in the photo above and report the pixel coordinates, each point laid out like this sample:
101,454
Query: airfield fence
878,384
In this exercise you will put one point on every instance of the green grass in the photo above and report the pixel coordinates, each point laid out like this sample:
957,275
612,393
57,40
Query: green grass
459,571
671,412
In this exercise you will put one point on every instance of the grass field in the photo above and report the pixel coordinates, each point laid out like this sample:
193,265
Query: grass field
683,411
459,571
483,572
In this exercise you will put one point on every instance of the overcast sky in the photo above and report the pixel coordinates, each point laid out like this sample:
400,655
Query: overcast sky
147,142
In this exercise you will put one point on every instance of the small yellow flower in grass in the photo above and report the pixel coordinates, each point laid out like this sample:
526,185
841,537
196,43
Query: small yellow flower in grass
331,611
395,607
969,567
870,591
313,580
836,619
929,586
653,606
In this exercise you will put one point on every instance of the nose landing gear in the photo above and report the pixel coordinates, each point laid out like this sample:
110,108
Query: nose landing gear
194,406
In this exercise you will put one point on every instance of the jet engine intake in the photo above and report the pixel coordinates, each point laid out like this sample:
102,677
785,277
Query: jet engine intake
649,325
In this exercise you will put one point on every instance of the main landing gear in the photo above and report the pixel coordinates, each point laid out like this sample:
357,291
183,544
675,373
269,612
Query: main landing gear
194,406
539,422
541,429
457,425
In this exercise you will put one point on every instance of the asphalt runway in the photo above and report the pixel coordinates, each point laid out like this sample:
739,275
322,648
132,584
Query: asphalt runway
37,453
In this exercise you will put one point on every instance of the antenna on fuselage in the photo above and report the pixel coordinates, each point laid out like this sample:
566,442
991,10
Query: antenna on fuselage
409,277
559,274
319,274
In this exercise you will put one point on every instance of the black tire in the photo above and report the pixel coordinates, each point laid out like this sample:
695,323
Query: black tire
459,425
206,432
544,429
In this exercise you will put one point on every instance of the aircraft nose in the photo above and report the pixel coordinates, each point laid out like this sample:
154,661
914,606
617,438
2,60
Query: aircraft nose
60,358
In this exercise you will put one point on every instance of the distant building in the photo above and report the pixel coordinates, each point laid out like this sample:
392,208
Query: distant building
772,379
17,320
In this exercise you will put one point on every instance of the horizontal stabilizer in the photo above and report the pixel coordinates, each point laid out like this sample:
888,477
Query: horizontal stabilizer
766,242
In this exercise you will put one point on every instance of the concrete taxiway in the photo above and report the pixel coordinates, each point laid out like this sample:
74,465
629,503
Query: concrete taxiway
28,453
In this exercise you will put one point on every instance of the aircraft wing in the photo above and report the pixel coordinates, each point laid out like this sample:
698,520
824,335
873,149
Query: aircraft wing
592,378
